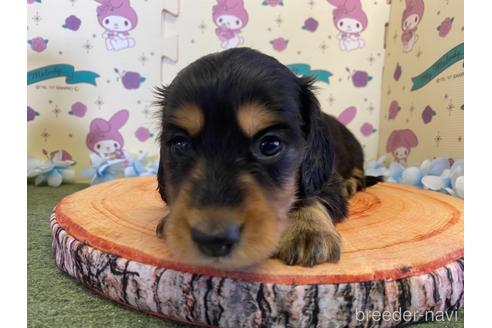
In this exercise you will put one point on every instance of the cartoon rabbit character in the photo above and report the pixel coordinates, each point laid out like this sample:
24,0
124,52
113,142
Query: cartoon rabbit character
350,20
412,15
117,17
230,16
104,139
399,144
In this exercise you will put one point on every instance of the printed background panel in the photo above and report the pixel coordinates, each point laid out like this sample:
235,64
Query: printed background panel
135,45
422,117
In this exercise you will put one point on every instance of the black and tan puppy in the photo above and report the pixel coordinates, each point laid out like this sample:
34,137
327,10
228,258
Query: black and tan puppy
249,165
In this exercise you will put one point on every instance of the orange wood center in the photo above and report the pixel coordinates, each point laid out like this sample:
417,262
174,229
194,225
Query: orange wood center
393,231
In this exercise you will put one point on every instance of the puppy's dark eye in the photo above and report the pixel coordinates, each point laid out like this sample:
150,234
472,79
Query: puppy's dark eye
270,146
180,145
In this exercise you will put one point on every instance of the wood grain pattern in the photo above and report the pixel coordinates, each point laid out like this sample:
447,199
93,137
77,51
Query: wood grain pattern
393,231
403,250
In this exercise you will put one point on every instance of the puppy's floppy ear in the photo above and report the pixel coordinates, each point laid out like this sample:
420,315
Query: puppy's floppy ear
317,165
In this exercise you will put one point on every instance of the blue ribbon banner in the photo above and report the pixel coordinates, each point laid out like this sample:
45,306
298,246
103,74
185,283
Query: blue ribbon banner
449,58
61,70
305,70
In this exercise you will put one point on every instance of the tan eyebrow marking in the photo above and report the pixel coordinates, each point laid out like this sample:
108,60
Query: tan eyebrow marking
189,117
254,117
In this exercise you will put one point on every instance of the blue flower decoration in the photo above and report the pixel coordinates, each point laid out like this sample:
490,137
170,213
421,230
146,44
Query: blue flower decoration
53,171
443,178
154,167
376,168
436,175
104,170
136,167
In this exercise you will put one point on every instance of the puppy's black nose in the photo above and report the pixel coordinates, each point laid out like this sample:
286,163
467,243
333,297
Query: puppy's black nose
216,245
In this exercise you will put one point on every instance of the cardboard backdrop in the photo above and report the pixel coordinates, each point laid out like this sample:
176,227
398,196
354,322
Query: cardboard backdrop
422,107
92,66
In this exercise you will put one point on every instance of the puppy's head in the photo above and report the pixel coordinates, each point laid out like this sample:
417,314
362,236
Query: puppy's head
241,141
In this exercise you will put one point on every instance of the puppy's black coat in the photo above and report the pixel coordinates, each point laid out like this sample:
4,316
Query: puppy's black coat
210,165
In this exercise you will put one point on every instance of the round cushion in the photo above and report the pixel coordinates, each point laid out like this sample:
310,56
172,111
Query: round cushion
402,255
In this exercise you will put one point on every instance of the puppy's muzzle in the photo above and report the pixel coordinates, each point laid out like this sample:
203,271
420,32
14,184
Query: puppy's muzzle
216,244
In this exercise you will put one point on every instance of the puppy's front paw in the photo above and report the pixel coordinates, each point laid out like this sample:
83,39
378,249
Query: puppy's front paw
310,239
308,248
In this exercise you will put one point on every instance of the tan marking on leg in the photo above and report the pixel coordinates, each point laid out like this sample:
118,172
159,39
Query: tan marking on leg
352,184
310,238
252,118
189,117
358,173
